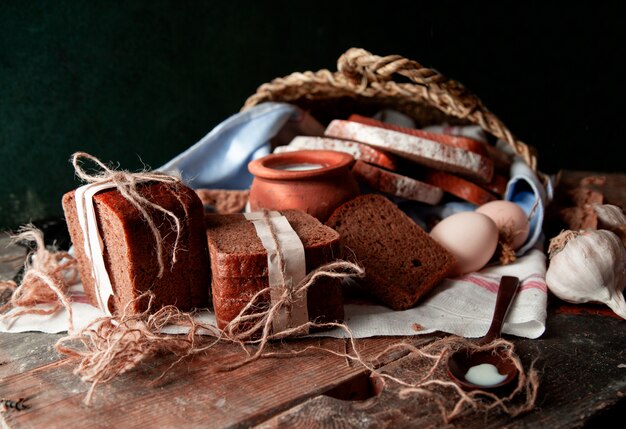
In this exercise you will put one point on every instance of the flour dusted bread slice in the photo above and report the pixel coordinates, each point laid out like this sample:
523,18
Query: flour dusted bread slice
396,184
401,261
130,254
358,150
448,139
239,264
421,150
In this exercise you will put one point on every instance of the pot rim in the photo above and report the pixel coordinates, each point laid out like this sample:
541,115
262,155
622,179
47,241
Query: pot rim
332,161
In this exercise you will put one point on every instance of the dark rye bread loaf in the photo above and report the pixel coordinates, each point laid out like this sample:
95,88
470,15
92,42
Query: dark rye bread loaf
130,253
239,264
401,261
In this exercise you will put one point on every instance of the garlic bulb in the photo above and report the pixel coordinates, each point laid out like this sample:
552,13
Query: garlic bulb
612,218
588,266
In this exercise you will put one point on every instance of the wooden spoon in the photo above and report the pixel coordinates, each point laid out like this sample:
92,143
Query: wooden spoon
462,360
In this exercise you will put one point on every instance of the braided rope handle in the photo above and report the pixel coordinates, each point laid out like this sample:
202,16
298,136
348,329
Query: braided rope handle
364,74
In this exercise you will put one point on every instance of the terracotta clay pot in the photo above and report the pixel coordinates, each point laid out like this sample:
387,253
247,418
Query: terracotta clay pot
315,181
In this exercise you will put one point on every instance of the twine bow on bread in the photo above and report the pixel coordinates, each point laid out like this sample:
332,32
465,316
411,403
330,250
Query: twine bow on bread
125,183
285,315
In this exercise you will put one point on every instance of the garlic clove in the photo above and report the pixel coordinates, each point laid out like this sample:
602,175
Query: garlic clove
611,218
588,266
618,305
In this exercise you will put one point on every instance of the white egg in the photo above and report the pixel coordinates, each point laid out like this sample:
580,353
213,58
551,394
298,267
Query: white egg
510,219
471,237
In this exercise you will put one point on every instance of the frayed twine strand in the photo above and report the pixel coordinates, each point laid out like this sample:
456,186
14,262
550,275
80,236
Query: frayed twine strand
254,323
109,347
48,275
425,375
126,184
254,320
506,236
451,399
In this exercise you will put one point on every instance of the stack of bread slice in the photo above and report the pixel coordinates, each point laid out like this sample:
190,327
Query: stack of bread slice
414,164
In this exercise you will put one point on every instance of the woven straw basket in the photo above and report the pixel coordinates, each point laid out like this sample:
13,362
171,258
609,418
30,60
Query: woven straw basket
364,83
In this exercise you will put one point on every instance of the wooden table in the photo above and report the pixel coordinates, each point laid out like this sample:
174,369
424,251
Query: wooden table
581,359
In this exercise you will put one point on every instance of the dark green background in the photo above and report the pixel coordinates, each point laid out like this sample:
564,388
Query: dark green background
140,81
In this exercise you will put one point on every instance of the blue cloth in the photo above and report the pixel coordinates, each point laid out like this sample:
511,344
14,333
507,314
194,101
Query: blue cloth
220,159
525,189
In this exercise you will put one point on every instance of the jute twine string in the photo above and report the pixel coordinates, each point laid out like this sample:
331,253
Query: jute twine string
109,347
505,250
126,184
427,375
519,400
256,319
46,279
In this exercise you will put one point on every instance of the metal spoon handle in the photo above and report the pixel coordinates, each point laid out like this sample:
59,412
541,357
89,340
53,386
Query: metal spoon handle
506,292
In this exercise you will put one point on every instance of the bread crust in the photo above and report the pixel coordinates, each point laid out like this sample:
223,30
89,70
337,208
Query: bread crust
130,251
402,262
459,187
427,152
396,184
240,269
358,150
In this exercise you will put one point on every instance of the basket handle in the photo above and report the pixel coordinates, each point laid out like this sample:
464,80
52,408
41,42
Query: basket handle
362,73
365,71
360,66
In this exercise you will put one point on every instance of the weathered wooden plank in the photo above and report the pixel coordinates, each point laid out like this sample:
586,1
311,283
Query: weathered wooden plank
193,395
581,359
612,187
24,351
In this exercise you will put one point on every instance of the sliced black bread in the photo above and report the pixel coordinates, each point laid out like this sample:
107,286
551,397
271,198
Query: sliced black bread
239,264
402,262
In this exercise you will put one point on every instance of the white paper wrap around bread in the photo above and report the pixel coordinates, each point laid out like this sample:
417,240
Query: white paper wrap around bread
292,253
94,247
